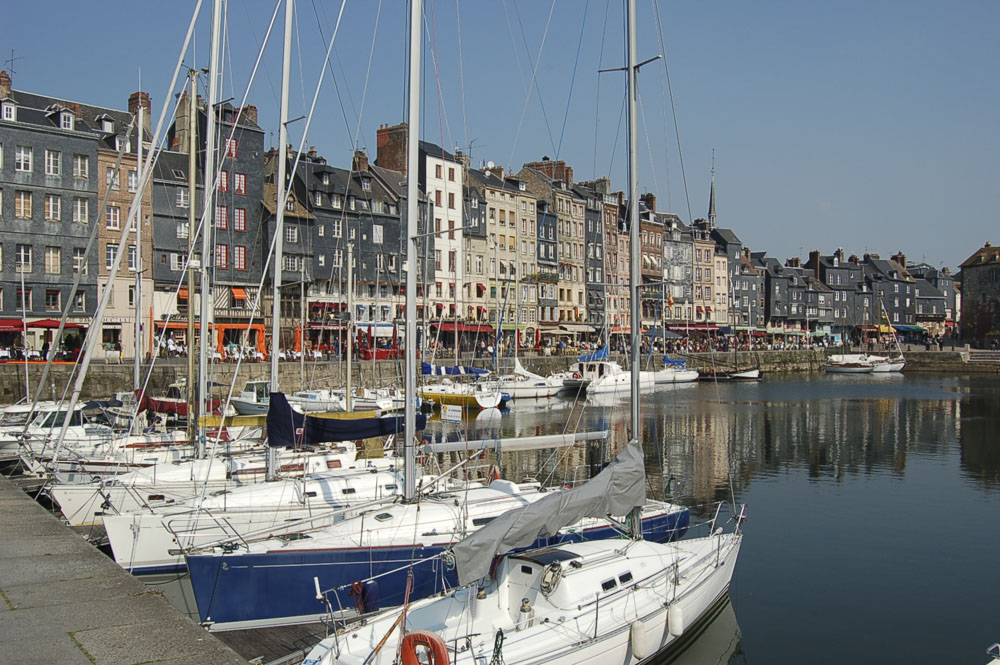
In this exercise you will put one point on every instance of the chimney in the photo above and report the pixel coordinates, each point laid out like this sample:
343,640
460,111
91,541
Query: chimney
650,201
946,270
137,99
495,170
462,158
839,254
555,170
391,147
814,261
853,258
250,113
312,154
793,262
5,84
360,161
900,258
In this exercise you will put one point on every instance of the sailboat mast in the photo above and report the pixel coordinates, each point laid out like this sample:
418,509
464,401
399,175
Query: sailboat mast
137,331
633,210
192,404
279,222
208,228
412,261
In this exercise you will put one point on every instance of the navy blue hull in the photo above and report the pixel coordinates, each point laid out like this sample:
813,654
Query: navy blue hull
274,586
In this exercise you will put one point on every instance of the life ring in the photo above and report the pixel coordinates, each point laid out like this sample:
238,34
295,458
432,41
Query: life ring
576,375
437,651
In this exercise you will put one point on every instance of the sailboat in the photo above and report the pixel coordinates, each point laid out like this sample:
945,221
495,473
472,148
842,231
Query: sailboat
608,601
884,364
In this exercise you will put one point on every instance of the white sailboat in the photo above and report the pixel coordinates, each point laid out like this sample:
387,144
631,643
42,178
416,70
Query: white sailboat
606,601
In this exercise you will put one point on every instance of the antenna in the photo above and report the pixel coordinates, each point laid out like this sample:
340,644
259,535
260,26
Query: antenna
9,63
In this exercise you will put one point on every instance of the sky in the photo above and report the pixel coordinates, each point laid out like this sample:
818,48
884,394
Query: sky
867,125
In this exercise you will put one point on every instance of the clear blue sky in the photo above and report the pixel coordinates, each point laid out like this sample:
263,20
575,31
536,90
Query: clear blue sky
865,125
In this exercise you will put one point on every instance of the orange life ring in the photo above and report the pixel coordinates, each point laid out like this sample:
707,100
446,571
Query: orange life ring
437,651
576,375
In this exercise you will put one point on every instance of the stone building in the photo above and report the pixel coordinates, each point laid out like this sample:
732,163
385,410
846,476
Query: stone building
980,279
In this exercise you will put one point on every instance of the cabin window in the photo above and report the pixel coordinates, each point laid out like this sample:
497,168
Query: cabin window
349,490
608,585
625,578
383,517
333,464
527,570
391,488
310,493
155,497
481,521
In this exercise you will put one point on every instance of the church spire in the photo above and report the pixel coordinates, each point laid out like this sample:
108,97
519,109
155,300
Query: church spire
711,196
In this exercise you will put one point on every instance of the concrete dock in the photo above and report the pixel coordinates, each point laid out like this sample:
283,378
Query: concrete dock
62,601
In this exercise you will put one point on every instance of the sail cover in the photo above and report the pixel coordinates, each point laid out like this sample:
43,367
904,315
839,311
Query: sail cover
519,369
287,427
676,362
442,370
617,489
600,354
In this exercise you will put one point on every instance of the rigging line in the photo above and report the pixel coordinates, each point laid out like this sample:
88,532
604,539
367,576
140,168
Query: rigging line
298,49
534,81
597,102
253,35
368,73
442,112
618,134
572,78
649,145
534,65
673,109
461,76
340,98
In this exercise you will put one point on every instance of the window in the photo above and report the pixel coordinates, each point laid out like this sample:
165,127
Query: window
322,260
240,183
337,230
183,199
338,257
113,218
326,178
231,148
366,184
80,302
223,181
132,258
66,120
176,264
239,219
53,162
221,256
133,180
109,255
337,201
182,230
437,198
221,217
24,299
321,230
451,200
240,257
290,204
22,205
437,170
318,198
53,207
111,178
52,300
9,112
291,234
131,296
81,210
78,260
22,159
377,234
53,259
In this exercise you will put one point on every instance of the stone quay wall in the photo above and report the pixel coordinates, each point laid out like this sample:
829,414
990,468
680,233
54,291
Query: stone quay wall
104,380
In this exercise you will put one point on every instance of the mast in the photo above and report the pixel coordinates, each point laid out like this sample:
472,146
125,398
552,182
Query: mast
635,516
207,242
350,323
137,341
192,407
412,209
279,223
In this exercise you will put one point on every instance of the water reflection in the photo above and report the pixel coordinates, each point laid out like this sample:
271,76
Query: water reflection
717,642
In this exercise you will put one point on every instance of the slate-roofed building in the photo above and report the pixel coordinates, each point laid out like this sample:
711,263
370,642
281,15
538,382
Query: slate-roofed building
893,291
980,279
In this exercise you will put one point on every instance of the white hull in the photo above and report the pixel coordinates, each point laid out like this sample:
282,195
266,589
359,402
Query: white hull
885,367
621,383
567,627
669,375
530,389
847,368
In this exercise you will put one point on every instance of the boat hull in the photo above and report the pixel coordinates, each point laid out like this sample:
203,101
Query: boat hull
236,591
848,369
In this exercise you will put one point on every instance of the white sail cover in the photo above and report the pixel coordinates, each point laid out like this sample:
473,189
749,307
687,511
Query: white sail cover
519,369
617,489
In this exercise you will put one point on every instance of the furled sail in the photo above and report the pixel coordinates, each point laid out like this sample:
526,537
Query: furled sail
617,489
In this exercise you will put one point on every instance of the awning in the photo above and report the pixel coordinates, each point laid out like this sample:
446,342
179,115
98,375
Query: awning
52,323
867,328
759,333
174,325
950,324
481,287
465,327
695,326
11,325
576,327
699,309
239,293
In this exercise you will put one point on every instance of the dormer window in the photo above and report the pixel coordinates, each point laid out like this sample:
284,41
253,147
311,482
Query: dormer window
108,125
326,178
10,111
366,184
66,120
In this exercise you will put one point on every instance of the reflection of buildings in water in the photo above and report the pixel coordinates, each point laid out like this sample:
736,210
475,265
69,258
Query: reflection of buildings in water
977,437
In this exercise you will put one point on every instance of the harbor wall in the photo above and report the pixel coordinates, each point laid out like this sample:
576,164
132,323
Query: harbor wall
104,380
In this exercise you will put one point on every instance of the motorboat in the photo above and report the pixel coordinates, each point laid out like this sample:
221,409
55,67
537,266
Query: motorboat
253,399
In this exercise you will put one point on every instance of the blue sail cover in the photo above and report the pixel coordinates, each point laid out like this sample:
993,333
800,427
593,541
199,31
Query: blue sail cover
677,362
442,370
600,354
287,428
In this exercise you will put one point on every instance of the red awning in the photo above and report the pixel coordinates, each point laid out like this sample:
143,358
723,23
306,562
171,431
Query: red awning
52,323
481,287
695,326
465,327
239,293
11,325
700,308
759,333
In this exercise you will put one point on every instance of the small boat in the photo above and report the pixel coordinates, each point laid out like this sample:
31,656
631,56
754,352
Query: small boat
675,371
252,400
848,363
730,375
882,365
466,395
324,400
523,384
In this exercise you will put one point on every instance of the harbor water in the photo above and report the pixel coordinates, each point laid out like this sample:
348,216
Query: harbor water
874,506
